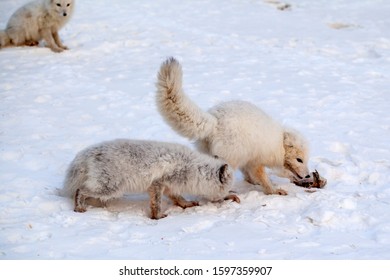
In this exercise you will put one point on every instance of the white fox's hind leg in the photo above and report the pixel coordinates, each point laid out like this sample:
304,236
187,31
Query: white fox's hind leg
16,37
31,43
258,176
179,200
5,41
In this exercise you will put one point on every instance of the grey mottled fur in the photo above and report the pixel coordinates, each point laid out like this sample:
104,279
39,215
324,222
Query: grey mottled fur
111,169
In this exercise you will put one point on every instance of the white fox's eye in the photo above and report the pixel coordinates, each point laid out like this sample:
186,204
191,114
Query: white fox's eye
58,4
68,5
299,160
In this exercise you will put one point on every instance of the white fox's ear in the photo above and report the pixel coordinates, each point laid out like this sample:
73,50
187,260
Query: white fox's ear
288,139
224,173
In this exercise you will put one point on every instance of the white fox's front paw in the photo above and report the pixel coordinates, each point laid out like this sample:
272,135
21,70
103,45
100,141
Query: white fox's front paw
280,192
157,217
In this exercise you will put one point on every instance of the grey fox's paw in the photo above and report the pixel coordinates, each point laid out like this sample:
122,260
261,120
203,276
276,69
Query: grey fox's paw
80,209
232,196
189,204
157,217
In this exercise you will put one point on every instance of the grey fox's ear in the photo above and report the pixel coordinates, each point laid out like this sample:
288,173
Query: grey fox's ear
223,173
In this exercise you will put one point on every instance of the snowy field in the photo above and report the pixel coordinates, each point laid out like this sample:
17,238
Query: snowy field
321,66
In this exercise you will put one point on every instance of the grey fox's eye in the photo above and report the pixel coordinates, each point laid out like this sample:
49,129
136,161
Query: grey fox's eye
299,160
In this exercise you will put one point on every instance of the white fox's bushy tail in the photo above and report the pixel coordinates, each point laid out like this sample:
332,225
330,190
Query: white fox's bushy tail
183,115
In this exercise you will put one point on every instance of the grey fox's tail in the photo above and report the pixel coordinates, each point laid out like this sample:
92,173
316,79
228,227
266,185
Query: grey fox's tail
4,39
183,115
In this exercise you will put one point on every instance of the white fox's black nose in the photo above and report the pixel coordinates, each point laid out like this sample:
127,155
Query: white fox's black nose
64,14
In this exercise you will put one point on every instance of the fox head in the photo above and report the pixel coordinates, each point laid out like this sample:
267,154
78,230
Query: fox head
296,156
63,8
223,181
213,180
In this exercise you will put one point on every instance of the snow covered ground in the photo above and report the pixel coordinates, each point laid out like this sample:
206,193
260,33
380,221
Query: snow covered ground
320,66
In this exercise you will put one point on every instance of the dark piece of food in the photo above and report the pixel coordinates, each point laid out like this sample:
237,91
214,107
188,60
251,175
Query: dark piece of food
315,182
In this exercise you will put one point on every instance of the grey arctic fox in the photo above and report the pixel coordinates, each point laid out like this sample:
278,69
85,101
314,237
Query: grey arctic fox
236,131
37,20
111,169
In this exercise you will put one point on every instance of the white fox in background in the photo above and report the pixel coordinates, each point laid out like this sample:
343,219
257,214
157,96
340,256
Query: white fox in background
37,20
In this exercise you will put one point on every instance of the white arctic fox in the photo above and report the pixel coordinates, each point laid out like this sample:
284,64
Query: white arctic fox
236,131
37,20
111,169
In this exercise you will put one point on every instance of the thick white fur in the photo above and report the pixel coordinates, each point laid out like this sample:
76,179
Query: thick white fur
237,131
37,20
179,111
110,169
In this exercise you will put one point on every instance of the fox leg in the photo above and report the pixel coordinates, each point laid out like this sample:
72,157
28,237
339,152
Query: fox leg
47,35
31,43
178,200
17,38
155,193
96,202
4,39
57,40
79,202
257,176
